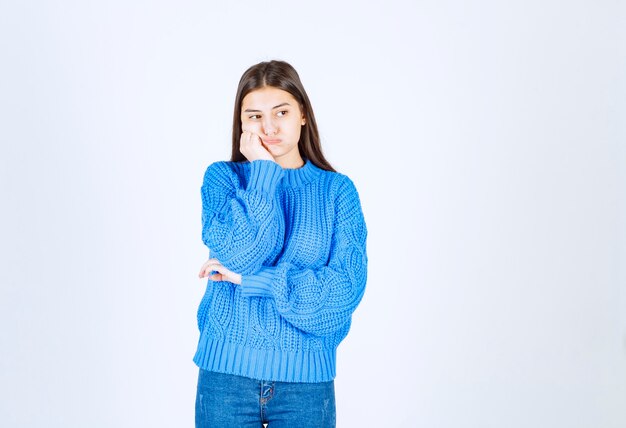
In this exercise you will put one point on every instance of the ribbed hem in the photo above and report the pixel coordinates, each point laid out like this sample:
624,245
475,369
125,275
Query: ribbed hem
264,175
259,284
265,364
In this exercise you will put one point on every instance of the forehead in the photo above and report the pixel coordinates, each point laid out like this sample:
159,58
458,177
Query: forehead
267,98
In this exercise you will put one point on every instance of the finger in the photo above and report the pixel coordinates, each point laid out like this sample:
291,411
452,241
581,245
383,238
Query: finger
249,138
243,141
204,273
210,262
253,139
222,269
208,266
204,270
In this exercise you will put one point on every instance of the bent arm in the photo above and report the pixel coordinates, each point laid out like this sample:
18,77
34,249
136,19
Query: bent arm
321,301
240,226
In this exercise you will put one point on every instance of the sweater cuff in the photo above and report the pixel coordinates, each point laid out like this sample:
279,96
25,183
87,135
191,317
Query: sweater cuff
264,175
258,284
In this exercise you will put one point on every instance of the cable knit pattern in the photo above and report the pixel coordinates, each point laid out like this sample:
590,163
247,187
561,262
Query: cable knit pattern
298,237
241,225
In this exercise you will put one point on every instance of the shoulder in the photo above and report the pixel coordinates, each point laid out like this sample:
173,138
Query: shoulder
223,172
347,204
224,176
343,194
341,185
221,168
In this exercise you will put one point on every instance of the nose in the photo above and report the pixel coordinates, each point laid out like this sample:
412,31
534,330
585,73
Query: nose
269,127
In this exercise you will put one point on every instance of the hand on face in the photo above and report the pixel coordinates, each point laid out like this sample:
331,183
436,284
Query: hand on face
274,119
251,146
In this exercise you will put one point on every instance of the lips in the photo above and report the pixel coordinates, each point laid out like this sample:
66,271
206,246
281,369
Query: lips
272,141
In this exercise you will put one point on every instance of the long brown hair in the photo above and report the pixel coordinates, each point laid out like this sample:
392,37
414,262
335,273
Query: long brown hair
281,75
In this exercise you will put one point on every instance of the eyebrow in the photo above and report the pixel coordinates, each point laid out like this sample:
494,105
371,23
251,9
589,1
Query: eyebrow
249,110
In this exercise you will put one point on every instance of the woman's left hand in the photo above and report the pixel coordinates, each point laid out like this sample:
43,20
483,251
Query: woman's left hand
223,274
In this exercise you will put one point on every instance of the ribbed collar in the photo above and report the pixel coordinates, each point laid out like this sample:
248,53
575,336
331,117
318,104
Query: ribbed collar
294,177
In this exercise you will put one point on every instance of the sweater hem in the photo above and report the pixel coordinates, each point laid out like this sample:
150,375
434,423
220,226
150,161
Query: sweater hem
265,364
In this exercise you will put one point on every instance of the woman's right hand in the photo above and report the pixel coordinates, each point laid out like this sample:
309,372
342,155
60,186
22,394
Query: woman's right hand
251,146
221,272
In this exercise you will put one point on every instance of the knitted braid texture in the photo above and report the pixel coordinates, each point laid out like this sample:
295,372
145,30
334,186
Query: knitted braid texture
298,238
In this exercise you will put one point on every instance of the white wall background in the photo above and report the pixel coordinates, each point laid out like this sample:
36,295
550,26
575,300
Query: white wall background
487,141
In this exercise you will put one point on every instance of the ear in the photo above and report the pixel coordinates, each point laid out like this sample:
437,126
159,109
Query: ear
303,120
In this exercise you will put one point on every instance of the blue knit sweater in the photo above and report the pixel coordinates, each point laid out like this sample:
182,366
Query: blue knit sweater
298,238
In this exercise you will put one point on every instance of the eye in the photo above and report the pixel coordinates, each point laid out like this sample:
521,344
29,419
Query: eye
282,113
254,116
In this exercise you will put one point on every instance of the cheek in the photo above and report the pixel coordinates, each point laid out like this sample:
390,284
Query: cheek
294,128
296,133
254,127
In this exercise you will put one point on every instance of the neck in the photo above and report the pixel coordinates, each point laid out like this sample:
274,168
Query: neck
296,162
291,165
296,165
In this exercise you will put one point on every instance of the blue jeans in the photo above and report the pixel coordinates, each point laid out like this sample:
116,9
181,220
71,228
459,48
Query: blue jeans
224,401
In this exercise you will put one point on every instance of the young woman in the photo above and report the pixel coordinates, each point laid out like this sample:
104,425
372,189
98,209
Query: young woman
287,267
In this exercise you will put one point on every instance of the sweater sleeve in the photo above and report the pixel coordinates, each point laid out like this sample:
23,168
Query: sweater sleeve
321,301
241,227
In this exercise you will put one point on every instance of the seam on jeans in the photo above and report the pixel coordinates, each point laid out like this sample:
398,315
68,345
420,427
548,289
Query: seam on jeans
266,393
